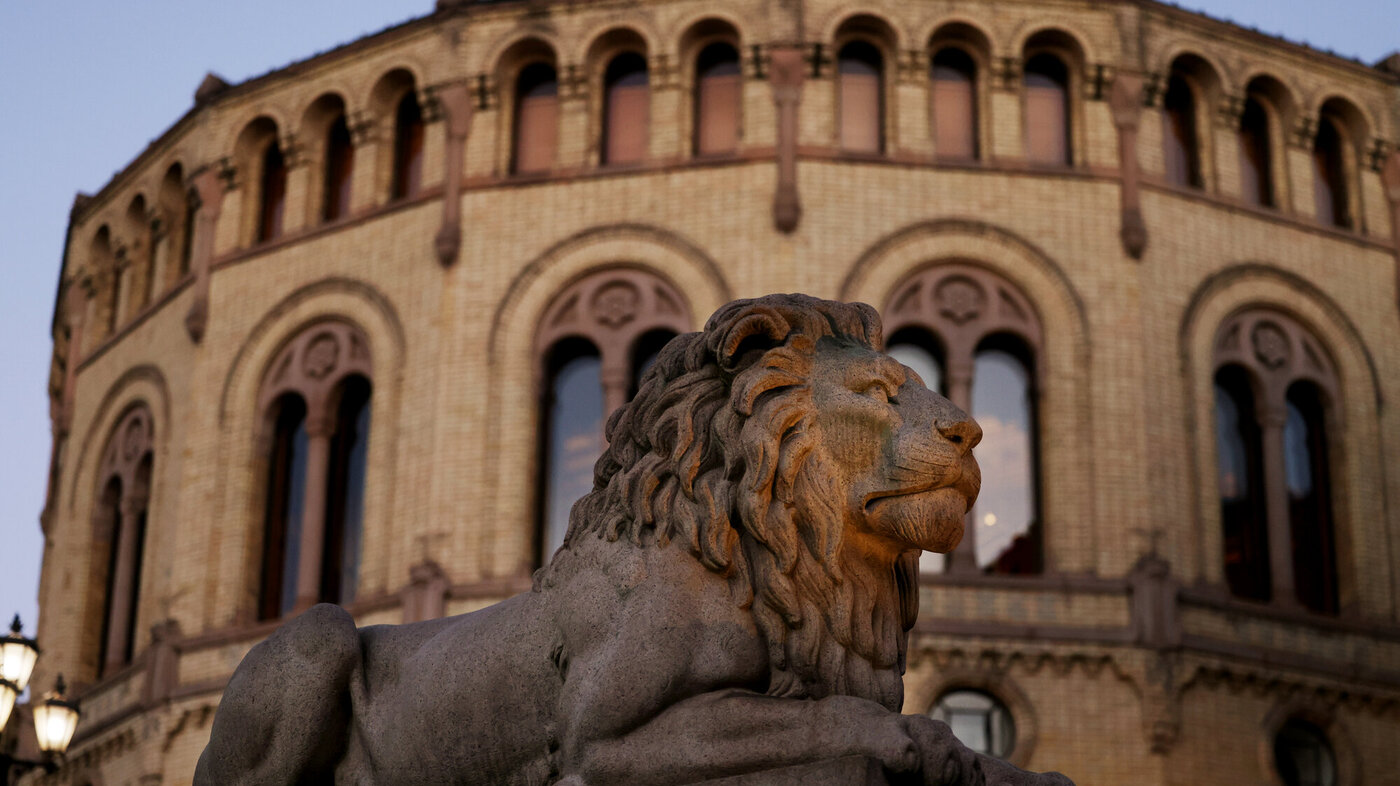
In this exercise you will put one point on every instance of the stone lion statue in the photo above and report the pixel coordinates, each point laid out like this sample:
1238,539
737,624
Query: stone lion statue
730,603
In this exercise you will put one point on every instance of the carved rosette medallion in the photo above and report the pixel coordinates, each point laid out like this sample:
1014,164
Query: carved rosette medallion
133,439
1270,345
322,355
960,299
615,304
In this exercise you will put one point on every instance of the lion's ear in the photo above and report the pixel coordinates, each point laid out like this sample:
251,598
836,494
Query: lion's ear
759,330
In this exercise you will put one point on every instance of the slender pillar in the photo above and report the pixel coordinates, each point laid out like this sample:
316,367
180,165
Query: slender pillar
1276,505
963,559
456,103
208,194
123,583
1126,106
80,295
1390,178
785,73
616,385
319,429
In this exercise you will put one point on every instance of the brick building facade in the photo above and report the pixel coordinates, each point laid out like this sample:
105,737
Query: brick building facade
332,308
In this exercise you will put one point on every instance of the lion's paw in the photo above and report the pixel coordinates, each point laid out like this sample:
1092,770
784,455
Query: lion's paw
943,760
871,730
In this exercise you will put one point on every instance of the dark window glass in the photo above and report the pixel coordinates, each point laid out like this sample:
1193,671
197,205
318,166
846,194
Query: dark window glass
408,147
1242,512
1005,515
1303,756
954,103
340,557
718,92
340,166
918,350
138,554
627,113
286,491
187,235
110,511
536,118
1329,178
274,193
644,354
573,435
978,721
1047,110
1179,134
862,104
1256,156
1309,500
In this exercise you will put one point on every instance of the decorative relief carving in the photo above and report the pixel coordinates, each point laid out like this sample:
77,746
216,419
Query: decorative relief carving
963,303
1270,345
131,441
314,362
615,304
960,299
322,353
612,308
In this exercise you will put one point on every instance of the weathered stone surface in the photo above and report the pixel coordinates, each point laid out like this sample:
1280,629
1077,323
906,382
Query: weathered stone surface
730,604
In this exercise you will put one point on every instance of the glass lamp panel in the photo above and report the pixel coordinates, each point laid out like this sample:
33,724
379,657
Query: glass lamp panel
7,703
54,724
17,656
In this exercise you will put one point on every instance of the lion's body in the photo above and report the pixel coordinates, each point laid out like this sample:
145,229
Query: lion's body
732,597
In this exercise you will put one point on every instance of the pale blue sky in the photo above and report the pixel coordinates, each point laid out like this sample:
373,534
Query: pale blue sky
85,85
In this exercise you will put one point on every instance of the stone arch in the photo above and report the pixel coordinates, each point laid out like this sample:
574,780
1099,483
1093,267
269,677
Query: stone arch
500,60
686,26
874,23
358,306
514,328
1085,53
933,29
1358,492
1360,121
1168,55
401,63
1321,714
1063,366
590,47
277,115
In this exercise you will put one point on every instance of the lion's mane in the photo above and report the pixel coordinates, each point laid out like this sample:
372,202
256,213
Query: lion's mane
715,455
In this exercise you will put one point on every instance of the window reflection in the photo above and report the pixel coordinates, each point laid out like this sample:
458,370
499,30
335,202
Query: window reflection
1047,110
345,495
1309,503
978,721
1329,178
1303,756
286,492
110,512
573,434
340,167
860,68
1007,531
628,110
1179,133
1242,514
408,147
955,103
536,118
718,90
1256,173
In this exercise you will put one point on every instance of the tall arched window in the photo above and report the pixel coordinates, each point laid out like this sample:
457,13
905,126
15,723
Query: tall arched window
718,95
316,402
627,109
861,84
340,169
176,214
596,341
1256,155
954,103
1047,110
140,258
1329,174
272,201
1272,392
975,336
1182,150
1240,477
536,118
103,263
119,536
409,131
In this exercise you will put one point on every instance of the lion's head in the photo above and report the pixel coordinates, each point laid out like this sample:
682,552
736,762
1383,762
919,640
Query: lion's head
783,450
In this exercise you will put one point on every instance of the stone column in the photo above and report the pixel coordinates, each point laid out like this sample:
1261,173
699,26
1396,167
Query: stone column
320,426
963,559
1274,416
617,384
208,192
785,73
298,211
1125,103
1008,136
123,582
161,241
455,100
664,77
364,185
574,148
121,295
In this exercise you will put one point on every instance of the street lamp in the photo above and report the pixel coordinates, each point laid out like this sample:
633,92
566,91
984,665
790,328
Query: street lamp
55,718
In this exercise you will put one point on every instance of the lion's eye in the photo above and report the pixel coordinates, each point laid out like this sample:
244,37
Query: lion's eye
878,391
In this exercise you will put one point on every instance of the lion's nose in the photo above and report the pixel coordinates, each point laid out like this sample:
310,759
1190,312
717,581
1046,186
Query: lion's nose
960,430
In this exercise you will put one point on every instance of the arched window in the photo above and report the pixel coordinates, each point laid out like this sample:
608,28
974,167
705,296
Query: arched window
954,103
1256,155
139,276
1272,389
1240,477
975,336
596,341
1309,498
1047,110
177,214
1182,147
340,169
272,201
627,109
119,529
316,402
536,118
1302,755
1329,174
978,720
103,263
408,147
718,95
860,74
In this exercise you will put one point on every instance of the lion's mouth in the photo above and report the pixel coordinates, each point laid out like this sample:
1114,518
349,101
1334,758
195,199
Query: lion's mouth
874,498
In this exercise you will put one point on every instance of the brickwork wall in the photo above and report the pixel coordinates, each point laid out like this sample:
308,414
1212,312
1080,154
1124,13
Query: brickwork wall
1126,441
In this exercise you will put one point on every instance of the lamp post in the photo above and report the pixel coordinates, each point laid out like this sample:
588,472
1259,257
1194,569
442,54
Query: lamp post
55,717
